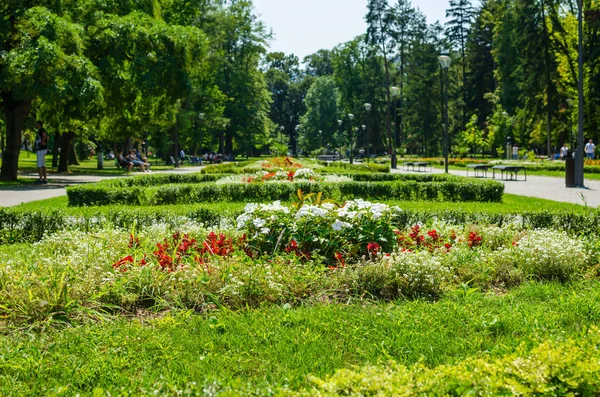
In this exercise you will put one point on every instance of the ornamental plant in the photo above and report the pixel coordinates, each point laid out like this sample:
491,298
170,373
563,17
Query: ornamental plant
336,233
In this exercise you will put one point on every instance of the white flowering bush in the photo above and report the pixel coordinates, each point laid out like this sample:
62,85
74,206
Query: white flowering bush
333,232
544,255
419,274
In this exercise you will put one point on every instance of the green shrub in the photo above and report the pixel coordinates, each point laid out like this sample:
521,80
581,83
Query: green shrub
552,368
450,190
336,167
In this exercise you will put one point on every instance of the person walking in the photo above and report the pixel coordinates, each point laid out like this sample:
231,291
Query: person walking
590,150
41,148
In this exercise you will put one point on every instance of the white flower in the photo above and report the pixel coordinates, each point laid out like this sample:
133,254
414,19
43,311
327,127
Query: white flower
339,225
259,222
304,173
265,230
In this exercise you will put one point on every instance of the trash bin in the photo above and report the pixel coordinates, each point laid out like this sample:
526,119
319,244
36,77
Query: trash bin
570,170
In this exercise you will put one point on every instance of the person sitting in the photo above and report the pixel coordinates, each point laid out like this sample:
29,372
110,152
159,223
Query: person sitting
564,152
123,162
134,160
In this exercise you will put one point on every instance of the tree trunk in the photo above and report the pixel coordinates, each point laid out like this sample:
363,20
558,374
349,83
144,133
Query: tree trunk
57,142
228,143
65,148
72,158
15,113
221,142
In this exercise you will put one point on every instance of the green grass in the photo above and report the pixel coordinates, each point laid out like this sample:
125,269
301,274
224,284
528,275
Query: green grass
278,346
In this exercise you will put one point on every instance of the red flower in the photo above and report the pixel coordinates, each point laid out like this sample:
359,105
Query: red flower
474,240
373,248
123,262
340,259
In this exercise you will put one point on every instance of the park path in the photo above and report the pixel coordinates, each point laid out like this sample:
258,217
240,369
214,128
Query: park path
549,188
57,185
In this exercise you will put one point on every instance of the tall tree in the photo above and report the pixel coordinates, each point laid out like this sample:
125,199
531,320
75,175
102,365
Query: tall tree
460,17
379,35
318,125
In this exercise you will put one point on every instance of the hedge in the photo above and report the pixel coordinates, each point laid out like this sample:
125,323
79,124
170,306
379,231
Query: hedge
168,179
451,190
26,226
163,179
335,167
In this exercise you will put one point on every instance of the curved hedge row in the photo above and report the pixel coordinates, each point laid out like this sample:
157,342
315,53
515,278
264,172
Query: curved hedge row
450,190
26,226
166,179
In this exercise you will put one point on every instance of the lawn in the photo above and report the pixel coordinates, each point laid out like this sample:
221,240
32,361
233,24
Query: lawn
276,347
286,300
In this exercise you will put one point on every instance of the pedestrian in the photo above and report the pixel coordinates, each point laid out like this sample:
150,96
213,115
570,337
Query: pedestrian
590,150
515,152
41,148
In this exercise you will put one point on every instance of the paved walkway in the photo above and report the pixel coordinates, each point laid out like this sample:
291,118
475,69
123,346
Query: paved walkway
57,185
541,187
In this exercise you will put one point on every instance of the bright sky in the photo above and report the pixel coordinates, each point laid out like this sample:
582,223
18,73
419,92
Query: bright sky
303,27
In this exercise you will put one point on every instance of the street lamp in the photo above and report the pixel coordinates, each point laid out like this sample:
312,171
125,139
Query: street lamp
350,117
571,103
281,130
445,62
364,128
297,129
368,107
322,140
395,92
579,176
340,122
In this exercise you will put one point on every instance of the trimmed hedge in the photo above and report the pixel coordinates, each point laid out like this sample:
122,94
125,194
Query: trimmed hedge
163,179
26,226
450,190
169,179
336,167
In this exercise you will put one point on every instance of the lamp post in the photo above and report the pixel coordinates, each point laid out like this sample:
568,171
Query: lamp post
507,132
296,130
570,103
281,130
395,92
340,122
364,128
322,139
445,62
368,133
350,117
579,176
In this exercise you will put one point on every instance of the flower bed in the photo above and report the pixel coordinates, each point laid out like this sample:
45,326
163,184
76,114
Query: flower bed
278,254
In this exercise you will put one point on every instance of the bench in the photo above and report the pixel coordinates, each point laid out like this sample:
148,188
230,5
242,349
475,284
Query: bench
479,169
509,170
417,166
328,157
194,160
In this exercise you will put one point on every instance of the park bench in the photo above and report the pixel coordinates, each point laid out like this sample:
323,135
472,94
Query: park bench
479,169
328,157
509,170
193,160
417,166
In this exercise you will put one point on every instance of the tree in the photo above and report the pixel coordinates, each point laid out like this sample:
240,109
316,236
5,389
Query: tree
43,59
379,36
460,16
319,124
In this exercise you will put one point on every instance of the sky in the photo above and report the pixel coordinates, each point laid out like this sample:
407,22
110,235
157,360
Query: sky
303,27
